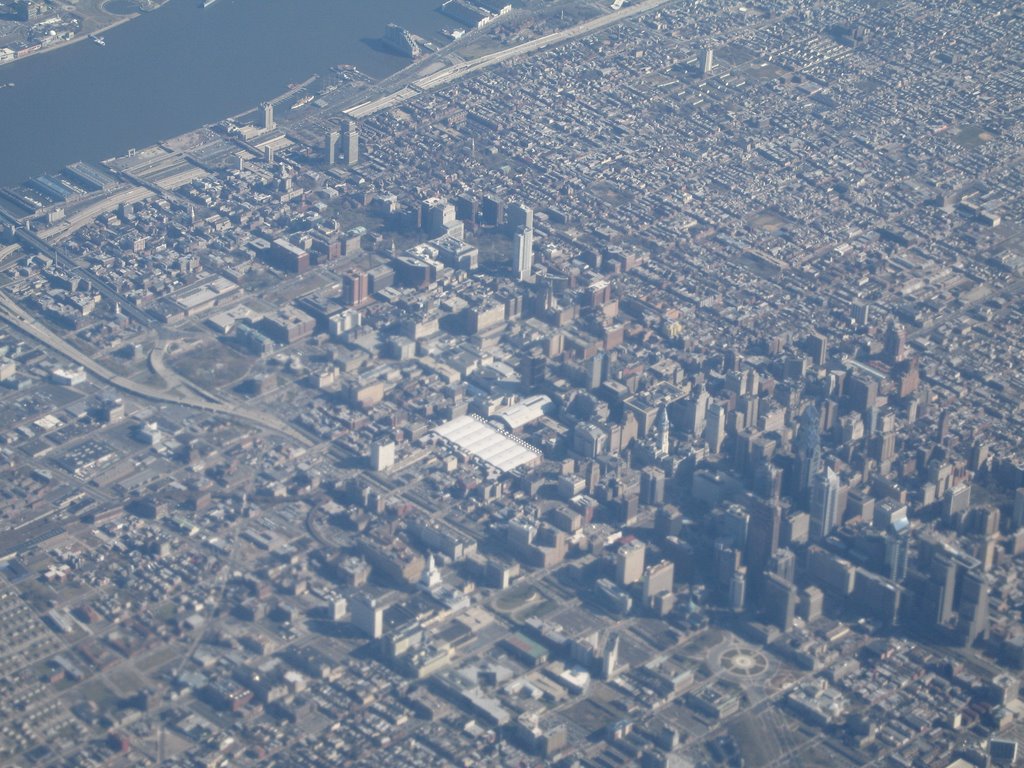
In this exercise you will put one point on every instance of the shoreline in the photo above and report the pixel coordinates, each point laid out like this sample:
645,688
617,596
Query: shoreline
425,73
83,36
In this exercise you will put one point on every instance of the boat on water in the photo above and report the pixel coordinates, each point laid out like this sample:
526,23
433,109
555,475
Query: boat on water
97,39
6,85
207,3
303,101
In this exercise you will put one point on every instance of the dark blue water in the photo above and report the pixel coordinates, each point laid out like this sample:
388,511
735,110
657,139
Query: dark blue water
180,67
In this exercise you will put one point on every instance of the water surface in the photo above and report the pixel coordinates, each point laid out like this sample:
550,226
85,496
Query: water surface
180,67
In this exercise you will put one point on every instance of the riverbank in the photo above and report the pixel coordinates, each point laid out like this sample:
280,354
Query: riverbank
183,66
84,35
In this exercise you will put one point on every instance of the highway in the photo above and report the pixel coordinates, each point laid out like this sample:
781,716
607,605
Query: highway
456,71
34,241
172,378
16,316
194,397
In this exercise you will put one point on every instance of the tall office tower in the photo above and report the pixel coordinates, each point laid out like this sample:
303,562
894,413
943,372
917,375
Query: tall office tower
807,447
437,215
763,532
354,287
731,359
350,142
895,342
714,429
695,411
519,216
944,423
738,589
268,115
973,608
664,429
523,253
812,600
768,481
382,456
824,503
658,579
707,61
748,407
629,562
1018,508
779,600
725,561
817,348
533,370
897,550
330,147
753,382
595,370
519,220
368,615
783,563
860,313
652,486
492,211
610,659
736,382
829,415
939,595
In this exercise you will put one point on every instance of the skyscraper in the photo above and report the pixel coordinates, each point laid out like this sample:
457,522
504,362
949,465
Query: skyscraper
780,598
768,481
354,287
382,456
519,216
738,589
368,615
330,147
973,608
783,563
594,370
532,370
695,411
437,216
824,503
663,431
763,531
523,253
492,211
652,486
807,447
350,142
657,579
817,348
610,658
895,341
897,550
519,220
714,428
629,562
707,61
268,115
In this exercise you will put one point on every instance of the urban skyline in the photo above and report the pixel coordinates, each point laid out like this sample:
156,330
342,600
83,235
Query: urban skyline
614,386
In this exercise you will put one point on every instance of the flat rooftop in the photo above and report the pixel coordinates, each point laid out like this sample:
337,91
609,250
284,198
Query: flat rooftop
488,444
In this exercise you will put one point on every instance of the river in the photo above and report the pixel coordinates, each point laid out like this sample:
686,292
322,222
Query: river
180,67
